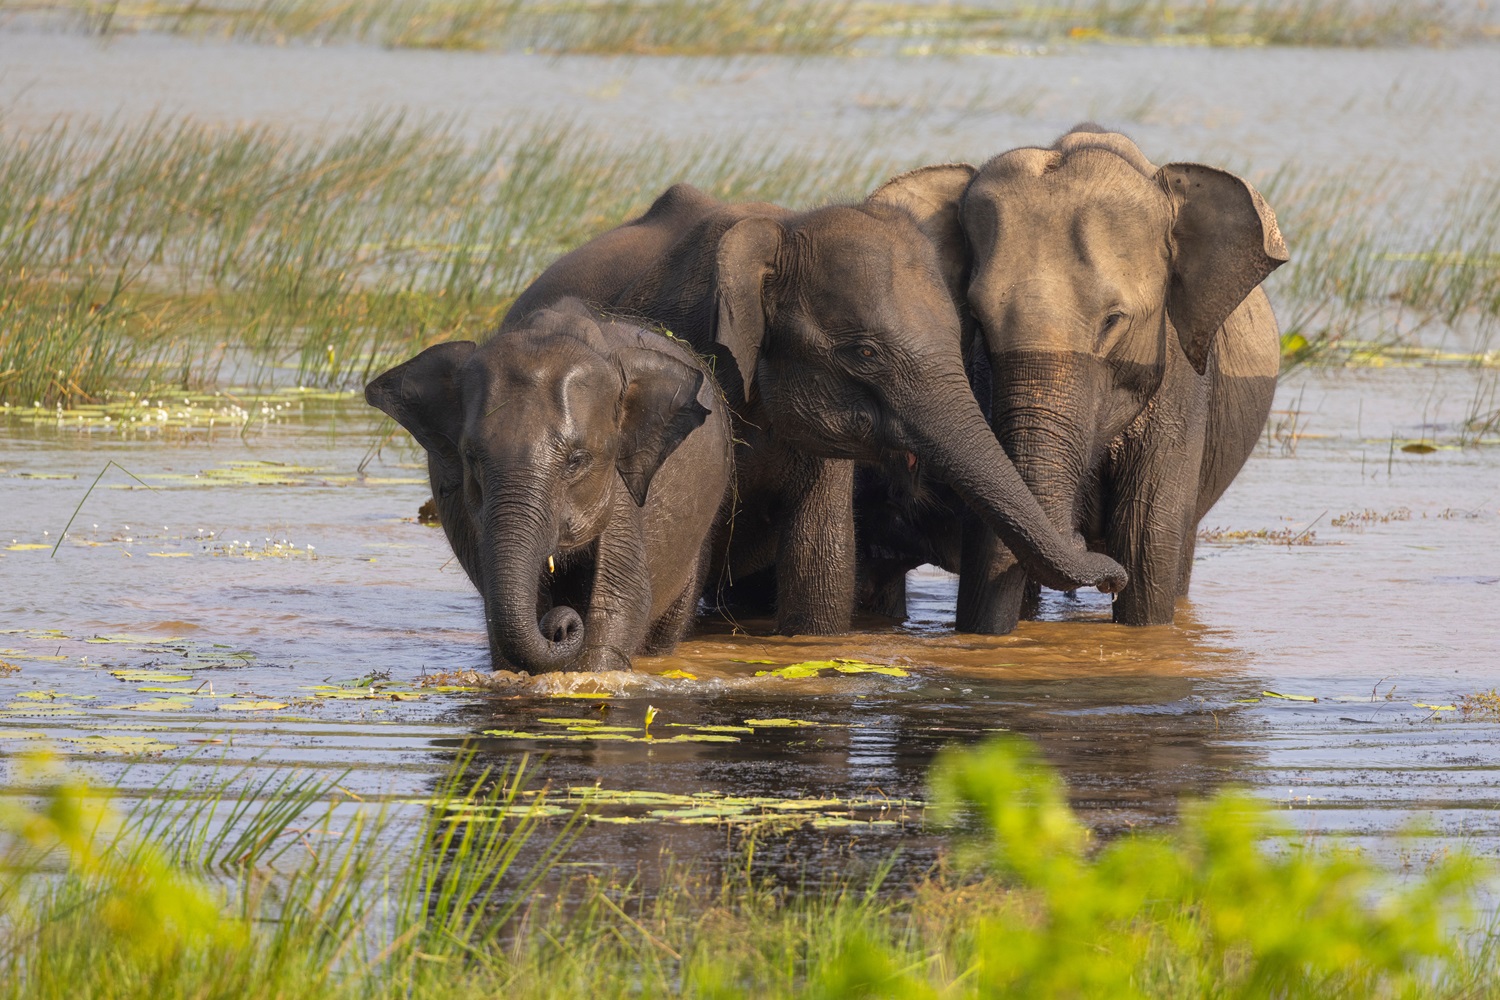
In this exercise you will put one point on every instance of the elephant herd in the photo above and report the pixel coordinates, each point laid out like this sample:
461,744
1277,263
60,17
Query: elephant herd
1039,372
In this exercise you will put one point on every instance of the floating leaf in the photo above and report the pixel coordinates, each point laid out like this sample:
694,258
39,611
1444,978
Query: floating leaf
711,729
53,696
179,704
1435,708
134,640
1418,448
26,547
1288,697
21,734
149,676
779,723
812,668
678,675
252,706
27,708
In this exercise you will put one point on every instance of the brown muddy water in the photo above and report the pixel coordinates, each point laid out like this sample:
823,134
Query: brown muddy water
270,603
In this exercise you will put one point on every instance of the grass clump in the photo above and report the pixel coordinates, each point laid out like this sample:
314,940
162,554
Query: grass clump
774,27
171,253
1223,906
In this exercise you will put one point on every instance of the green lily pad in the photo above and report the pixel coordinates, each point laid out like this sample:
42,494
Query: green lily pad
54,696
252,706
1288,697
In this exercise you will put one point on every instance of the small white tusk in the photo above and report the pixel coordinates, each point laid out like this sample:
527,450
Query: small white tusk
551,566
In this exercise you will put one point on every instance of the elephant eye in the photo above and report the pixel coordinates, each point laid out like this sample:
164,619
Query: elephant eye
1110,322
578,461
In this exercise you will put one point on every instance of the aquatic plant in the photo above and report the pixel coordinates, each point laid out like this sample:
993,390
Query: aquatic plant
291,890
175,253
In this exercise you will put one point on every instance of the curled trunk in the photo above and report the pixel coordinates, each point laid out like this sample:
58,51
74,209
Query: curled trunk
520,536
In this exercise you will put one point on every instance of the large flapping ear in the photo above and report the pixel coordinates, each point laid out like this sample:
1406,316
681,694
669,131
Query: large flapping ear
746,257
659,408
934,195
1224,242
423,395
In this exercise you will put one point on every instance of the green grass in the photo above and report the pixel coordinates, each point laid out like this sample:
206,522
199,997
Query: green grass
776,27
170,255
287,890
174,254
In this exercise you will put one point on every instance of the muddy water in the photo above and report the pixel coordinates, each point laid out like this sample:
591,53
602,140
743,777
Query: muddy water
263,582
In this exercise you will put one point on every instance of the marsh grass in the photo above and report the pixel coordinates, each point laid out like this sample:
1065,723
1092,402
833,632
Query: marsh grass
286,889
173,253
1365,286
776,27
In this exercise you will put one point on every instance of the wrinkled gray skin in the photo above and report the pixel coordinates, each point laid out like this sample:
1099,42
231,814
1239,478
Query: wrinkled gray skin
835,338
579,466
1133,356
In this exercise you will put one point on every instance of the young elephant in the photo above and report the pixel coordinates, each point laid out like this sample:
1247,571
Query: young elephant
579,466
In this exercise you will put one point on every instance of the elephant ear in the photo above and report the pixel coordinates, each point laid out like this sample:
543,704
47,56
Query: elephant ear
934,195
659,408
746,256
424,397
1224,242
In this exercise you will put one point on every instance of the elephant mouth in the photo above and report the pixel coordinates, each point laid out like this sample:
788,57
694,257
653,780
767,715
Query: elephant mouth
566,581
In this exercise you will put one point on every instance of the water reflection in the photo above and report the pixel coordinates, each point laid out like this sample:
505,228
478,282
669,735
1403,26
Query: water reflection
1134,719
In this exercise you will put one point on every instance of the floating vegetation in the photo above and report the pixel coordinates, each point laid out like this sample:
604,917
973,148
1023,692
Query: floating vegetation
1273,536
1288,697
123,746
176,413
678,675
763,812
812,668
257,705
1481,706
616,734
1358,520
150,676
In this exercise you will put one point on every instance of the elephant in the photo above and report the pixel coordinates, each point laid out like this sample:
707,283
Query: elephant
835,338
1132,355
579,465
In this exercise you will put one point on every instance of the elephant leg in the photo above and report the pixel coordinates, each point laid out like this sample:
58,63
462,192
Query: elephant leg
991,585
882,589
1154,486
815,551
669,629
620,605
1189,547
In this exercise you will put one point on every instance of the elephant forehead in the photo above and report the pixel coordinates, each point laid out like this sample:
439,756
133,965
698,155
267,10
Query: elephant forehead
567,392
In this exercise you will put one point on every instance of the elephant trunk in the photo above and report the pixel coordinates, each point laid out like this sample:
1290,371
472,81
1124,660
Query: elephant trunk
1044,417
520,536
958,442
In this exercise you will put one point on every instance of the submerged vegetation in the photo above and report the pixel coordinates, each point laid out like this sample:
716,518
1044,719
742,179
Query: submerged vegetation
292,890
783,27
175,256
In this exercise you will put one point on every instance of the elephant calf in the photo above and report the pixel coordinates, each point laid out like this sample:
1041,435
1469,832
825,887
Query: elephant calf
579,466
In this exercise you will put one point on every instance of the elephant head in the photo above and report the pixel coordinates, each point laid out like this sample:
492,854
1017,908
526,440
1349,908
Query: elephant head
838,332
532,438
1092,273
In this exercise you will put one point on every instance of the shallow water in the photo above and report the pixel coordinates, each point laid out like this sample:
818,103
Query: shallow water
1387,622
304,606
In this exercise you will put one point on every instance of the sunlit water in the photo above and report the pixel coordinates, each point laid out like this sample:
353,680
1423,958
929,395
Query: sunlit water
1388,626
